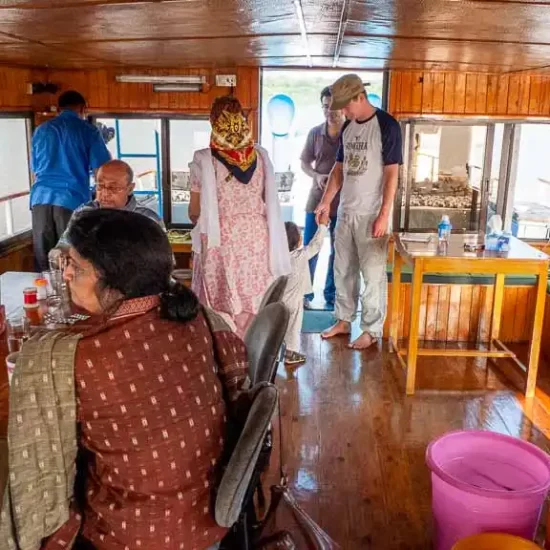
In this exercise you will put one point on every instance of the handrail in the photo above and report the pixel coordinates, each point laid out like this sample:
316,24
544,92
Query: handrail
14,196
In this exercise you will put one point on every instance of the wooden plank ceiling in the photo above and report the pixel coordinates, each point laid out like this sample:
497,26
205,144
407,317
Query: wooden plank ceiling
465,35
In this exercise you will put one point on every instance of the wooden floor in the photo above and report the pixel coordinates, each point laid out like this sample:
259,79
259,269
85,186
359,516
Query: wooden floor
355,445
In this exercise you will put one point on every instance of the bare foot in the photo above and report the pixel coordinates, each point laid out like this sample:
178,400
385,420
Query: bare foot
363,342
340,327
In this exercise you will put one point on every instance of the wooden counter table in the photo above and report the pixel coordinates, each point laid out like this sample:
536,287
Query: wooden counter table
423,257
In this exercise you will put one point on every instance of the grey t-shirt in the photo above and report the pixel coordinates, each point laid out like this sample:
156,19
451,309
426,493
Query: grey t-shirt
321,149
365,148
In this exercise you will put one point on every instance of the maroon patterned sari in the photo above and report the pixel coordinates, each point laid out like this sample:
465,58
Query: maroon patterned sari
152,416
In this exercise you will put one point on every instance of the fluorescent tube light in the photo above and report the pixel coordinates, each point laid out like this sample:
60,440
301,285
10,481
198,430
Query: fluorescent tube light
166,79
177,87
301,21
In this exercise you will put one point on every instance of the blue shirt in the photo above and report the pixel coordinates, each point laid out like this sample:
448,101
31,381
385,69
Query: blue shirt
63,152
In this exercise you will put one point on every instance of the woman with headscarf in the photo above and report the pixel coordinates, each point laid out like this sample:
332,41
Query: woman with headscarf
239,241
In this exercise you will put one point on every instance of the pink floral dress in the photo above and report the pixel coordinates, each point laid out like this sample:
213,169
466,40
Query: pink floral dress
232,278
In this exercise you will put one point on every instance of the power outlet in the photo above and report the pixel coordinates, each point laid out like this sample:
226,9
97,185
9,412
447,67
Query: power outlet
226,80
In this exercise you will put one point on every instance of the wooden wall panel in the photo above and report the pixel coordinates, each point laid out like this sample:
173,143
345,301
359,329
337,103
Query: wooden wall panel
18,257
439,92
469,94
534,94
492,94
460,93
514,95
544,99
482,88
462,313
449,93
471,91
427,92
13,89
104,94
417,83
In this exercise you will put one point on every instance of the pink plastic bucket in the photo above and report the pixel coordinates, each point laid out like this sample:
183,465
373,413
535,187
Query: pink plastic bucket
485,482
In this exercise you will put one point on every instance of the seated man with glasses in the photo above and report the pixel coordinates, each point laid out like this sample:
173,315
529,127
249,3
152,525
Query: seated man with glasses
115,186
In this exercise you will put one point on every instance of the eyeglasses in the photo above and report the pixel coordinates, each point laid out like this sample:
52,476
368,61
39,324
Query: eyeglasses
77,270
111,189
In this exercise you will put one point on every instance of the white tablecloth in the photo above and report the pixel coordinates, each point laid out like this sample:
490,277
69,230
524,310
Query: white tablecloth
12,284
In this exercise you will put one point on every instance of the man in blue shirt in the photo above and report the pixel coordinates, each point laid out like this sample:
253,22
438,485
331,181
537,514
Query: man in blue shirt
64,150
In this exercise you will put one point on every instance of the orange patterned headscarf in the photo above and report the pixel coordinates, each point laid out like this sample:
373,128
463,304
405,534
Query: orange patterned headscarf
231,139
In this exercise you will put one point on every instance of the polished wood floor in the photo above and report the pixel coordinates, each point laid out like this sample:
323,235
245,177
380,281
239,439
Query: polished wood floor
355,445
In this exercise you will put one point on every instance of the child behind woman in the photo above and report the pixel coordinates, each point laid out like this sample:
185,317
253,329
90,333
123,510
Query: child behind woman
299,284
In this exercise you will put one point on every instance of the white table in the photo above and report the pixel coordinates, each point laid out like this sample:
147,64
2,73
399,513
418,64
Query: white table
12,284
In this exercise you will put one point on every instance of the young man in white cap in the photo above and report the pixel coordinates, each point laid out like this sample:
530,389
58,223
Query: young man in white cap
366,171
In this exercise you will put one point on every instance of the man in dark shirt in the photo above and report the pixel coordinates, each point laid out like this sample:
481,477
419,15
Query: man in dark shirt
115,186
318,158
64,150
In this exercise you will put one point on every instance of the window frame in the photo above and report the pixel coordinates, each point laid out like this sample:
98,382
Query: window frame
168,193
292,208
507,206
509,156
385,88
165,161
508,163
14,240
401,222
94,116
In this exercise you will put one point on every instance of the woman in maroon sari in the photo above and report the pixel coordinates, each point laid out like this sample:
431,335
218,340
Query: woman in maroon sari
151,374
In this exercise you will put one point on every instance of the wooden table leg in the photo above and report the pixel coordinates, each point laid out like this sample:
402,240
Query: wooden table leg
534,350
497,307
395,300
412,353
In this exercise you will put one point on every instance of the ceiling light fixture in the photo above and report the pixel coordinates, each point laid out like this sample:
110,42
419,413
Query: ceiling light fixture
166,79
303,32
177,87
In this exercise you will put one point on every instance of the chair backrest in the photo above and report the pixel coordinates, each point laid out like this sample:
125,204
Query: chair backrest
241,473
263,340
275,292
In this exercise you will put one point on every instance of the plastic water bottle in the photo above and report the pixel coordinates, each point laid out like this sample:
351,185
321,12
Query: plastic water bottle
444,229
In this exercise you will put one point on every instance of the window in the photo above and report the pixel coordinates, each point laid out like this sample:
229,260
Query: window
137,141
304,89
529,186
186,137
15,214
495,191
446,167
